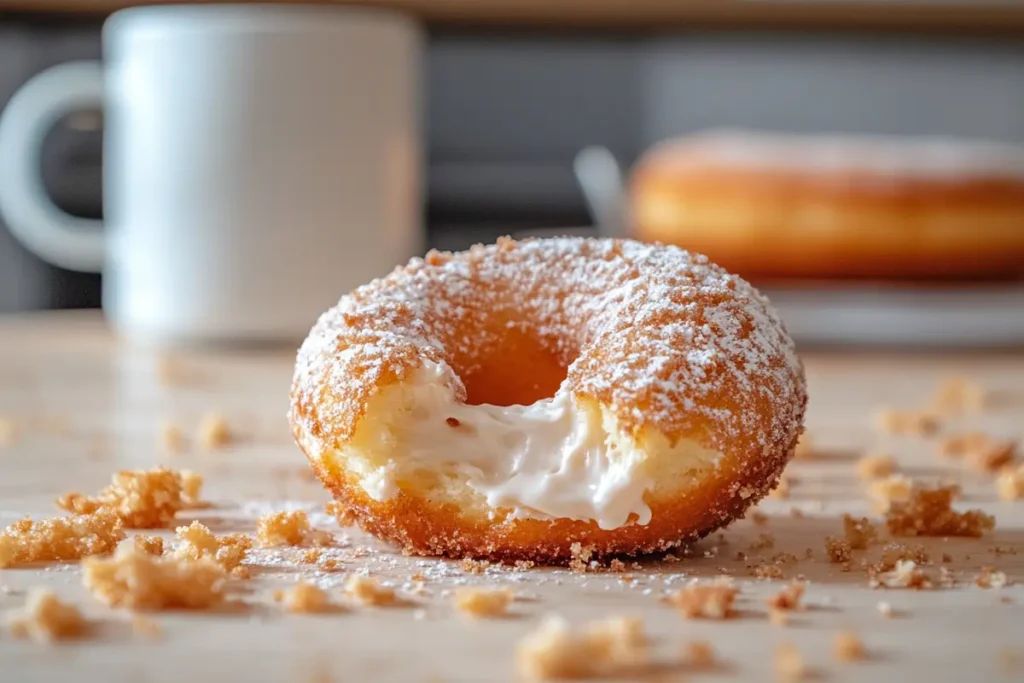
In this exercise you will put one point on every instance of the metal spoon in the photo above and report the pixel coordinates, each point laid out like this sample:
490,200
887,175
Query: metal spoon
600,178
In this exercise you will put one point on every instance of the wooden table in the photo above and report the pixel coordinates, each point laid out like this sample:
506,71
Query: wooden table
86,405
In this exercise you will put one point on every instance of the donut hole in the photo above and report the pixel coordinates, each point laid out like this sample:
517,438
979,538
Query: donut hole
509,368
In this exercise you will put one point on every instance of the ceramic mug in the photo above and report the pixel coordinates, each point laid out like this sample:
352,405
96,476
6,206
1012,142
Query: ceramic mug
259,161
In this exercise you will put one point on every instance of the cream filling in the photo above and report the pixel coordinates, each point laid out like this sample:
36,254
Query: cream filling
557,458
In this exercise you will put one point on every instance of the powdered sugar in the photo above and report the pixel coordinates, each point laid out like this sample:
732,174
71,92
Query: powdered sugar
664,338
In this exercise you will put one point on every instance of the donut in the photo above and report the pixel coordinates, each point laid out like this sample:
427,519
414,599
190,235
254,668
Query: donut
514,400
773,207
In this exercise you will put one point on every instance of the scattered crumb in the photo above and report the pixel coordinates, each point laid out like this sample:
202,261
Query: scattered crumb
305,597
600,649
282,528
46,618
483,603
929,512
788,598
993,458
989,578
143,499
59,539
913,422
151,545
214,432
524,565
859,533
705,600
764,541
471,566
958,395
368,591
838,550
804,447
196,541
781,490
958,445
145,626
171,438
138,581
191,489
768,571
893,553
617,566
580,557
848,647
700,655
342,513
905,575
894,488
885,609
876,466
1010,483
789,663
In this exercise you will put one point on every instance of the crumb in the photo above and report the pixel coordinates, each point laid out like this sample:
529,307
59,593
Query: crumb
957,445
764,541
318,538
305,597
705,600
804,447
8,431
848,647
196,541
781,490
282,529
1003,550
328,564
482,603
989,578
876,466
214,432
471,566
171,438
191,489
144,626
524,565
859,533
906,574
1010,483
892,489
59,539
892,553
946,577
368,591
341,513
913,422
46,618
601,649
788,598
312,555
838,550
151,545
580,557
143,499
959,394
947,558
452,422
929,512
885,609
758,518
700,655
617,566
138,581
993,458
768,571
789,663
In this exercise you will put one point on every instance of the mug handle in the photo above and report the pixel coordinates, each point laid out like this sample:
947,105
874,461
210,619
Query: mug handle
31,216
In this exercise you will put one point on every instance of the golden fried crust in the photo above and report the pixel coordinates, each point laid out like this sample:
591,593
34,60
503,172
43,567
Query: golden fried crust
779,219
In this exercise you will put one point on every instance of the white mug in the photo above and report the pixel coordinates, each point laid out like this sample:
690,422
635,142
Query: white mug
259,161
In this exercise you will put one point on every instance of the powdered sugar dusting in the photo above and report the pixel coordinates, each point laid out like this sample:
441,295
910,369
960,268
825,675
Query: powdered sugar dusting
662,337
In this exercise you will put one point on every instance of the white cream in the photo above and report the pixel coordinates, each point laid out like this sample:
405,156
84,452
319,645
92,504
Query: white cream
555,458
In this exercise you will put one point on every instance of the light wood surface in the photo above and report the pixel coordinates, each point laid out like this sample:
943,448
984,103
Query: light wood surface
652,14
86,405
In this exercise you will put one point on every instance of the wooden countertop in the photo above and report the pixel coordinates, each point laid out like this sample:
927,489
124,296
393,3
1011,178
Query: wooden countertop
85,405
653,14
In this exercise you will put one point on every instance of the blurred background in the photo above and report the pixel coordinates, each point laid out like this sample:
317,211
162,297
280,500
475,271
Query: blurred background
513,90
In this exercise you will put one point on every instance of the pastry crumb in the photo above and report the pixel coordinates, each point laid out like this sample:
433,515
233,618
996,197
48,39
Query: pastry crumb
304,597
929,512
789,664
214,432
908,422
368,591
471,566
885,609
1010,483
143,499
781,490
599,649
859,533
959,395
151,545
700,655
838,550
891,489
788,598
191,489
876,466
580,557
990,578
59,539
848,647
46,618
906,574
483,603
804,447
705,600
137,581
288,528
196,541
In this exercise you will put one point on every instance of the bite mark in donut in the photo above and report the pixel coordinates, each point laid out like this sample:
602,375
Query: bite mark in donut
511,400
